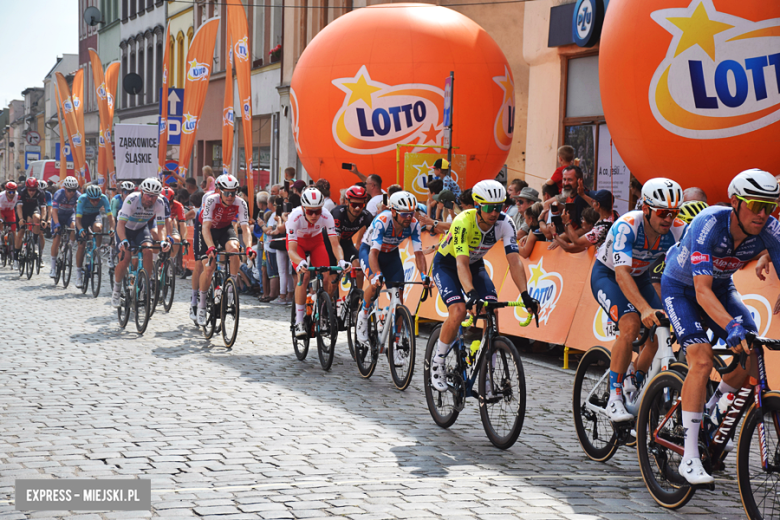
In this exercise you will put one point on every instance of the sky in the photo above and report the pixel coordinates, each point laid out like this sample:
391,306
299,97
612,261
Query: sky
33,33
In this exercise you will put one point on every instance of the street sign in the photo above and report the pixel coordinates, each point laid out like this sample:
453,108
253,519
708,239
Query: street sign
175,102
33,137
90,153
447,114
29,157
174,130
31,148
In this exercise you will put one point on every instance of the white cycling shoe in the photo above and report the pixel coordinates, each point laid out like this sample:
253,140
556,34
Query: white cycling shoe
300,330
398,357
79,278
53,271
438,373
692,471
202,316
617,413
116,298
194,313
362,330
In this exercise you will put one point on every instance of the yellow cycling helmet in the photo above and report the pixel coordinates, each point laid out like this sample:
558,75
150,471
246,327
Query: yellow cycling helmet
690,209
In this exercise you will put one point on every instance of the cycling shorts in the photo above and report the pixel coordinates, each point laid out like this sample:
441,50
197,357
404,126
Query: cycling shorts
390,264
88,220
608,294
29,212
9,217
316,248
350,251
67,218
136,237
445,275
690,321
219,236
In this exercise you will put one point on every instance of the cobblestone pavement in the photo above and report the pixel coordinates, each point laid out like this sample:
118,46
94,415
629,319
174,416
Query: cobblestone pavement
254,433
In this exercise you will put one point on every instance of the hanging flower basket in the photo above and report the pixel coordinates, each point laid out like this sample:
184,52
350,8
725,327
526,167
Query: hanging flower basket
275,53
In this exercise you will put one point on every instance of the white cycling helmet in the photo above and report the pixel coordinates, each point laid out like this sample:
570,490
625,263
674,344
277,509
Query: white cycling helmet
42,184
151,186
127,186
754,183
488,192
662,193
227,182
70,183
312,198
403,201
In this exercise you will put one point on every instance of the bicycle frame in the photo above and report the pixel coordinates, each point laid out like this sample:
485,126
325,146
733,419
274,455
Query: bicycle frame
389,313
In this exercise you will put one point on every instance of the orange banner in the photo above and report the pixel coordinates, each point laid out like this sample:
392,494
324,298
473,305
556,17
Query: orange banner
112,76
237,29
106,165
227,114
74,136
61,130
77,95
163,138
196,84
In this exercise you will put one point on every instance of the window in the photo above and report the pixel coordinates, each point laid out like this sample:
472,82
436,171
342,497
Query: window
141,6
132,8
216,156
131,68
124,9
140,72
180,60
150,75
158,75
172,63
123,73
266,31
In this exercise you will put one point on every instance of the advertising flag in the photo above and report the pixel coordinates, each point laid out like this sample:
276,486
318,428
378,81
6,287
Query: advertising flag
196,84
237,29
106,162
112,76
227,114
61,129
75,137
77,95
163,139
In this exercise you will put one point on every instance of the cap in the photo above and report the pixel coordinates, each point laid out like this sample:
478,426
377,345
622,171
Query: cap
299,185
602,197
442,164
445,196
530,194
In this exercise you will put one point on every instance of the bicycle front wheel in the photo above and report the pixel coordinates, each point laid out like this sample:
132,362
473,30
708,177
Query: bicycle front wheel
660,464
154,288
169,285
300,345
97,273
402,349
502,393
327,329
67,265
367,354
591,394
125,301
355,303
211,311
38,254
30,256
443,406
759,487
142,300
228,310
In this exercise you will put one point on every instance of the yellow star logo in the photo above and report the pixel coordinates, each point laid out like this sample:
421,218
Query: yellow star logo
698,30
361,90
506,84
537,272
193,63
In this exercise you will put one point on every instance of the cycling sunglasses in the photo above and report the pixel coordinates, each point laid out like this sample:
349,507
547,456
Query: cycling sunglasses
70,190
664,213
404,214
11,192
757,205
229,193
357,205
490,208
312,212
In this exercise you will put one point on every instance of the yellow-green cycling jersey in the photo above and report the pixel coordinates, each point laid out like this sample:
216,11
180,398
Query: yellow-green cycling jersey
466,238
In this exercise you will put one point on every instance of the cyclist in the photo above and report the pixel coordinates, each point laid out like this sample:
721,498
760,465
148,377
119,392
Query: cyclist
219,211
307,226
28,207
621,284
8,200
45,214
88,210
379,256
699,293
125,189
458,267
132,230
63,215
352,219
174,225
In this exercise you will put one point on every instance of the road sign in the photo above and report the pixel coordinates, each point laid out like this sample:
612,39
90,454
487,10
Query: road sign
31,156
174,130
90,153
175,102
33,137
447,114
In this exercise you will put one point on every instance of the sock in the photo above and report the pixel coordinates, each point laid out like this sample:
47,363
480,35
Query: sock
691,424
640,377
300,312
442,348
195,297
363,312
723,388
53,259
202,302
615,386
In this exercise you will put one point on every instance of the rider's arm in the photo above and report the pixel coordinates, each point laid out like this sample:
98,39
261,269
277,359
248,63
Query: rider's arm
292,252
517,271
335,246
54,216
464,273
206,232
358,237
422,263
78,223
110,221
120,230
373,260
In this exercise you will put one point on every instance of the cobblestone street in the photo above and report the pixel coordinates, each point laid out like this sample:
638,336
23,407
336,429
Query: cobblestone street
254,433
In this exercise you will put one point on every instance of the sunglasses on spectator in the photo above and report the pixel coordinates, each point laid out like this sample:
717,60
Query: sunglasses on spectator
404,214
312,212
664,213
757,205
490,208
228,193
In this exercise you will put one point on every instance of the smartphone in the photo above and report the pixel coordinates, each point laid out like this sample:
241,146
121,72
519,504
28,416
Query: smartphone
570,209
554,207
278,210
286,185
287,207
556,219
346,166
384,199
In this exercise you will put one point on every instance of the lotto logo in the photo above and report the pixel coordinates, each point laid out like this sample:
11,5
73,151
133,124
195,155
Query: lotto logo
697,258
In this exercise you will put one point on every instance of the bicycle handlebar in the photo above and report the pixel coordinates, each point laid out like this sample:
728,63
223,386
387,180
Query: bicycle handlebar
650,333
326,269
498,305
740,359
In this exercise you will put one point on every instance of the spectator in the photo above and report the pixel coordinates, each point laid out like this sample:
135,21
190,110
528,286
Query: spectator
531,217
466,201
295,195
600,218
441,170
289,174
374,189
589,219
575,193
512,191
393,188
445,202
526,197
635,193
549,191
693,194
324,186
208,179
565,159
276,245
434,187
191,185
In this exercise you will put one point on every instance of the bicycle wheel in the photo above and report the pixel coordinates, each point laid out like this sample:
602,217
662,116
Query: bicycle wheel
355,303
125,302
211,310
154,287
441,405
38,252
366,355
402,350
97,273
67,265
142,298
88,267
502,393
57,269
229,311
300,345
659,464
591,390
30,257
168,285
111,275
759,487
327,330
3,252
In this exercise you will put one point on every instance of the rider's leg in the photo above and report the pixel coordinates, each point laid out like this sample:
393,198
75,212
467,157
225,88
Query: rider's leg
622,353
694,390
300,298
97,227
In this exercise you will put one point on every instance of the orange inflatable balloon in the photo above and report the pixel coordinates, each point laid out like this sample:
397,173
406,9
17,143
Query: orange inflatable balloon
374,78
691,88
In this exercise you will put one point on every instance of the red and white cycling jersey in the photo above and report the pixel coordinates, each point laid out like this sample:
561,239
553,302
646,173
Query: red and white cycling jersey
6,204
222,216
299,227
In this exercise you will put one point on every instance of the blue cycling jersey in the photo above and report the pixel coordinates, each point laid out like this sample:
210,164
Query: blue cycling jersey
62,203
84,207
708,248
383,235
48,198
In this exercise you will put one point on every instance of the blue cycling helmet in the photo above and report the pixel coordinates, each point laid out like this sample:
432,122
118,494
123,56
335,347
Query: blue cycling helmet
93,192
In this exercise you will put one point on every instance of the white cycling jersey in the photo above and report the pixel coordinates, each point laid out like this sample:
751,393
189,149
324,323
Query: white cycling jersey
6,204
136,216
298,227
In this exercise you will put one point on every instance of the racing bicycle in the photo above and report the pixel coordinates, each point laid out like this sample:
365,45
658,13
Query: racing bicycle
222,305
135,291
28,255
93,261
320,319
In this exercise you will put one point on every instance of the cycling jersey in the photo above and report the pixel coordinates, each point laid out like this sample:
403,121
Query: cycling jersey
135,215
222,216
382,234
64,203
298,227
8,209
6,204
347,228
708,248
48,198
84,207
177,211
465,237
116,205
30,203
627,244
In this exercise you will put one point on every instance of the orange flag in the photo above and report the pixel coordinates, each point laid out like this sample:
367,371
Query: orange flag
77,95
227,114
237,29
74,136
196,84
112,75
63,159
106,166
163,140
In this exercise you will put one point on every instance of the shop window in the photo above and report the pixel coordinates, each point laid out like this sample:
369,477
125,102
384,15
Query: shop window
583,98
216,156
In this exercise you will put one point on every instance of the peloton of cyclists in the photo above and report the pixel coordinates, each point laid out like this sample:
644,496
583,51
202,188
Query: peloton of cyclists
63,214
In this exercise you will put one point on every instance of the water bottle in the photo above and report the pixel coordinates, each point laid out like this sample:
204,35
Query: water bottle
720,410
340,308
382,316
309,304
217,293
472,351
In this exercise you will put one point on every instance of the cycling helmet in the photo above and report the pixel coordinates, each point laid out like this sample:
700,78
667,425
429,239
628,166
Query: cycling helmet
754,183
356,192
93,192
127,186
488,192
690,209
403,201
42,184
168,193
10,186
312,198
227,182
70,183
31,182
662,193
151,186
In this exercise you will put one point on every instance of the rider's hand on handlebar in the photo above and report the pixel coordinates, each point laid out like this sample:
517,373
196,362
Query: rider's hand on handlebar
165,246
376,281
649,317
345,266
426,280
251,253
211,252
124,245
303,266
472,299
82,233
736,334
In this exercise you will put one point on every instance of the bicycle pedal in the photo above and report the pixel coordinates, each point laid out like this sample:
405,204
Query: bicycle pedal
707,487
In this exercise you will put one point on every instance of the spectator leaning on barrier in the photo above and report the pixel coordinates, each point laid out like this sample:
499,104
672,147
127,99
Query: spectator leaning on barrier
434,187
549,191
603,202
512,191
445,203
534,235
524,200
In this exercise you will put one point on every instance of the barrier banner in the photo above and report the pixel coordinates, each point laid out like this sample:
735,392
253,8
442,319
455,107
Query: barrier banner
106,165
61,129
196,84
77,94
76,139
591,325
238,33
163,138
136,151
227,113
417,167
